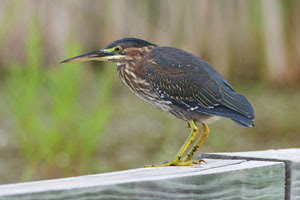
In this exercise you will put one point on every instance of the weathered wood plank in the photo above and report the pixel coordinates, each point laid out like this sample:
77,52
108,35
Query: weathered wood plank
218,179
291,158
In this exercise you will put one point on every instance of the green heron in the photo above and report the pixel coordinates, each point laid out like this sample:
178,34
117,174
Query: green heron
176,82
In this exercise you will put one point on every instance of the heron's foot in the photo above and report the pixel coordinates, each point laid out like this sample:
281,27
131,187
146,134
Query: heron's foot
179,163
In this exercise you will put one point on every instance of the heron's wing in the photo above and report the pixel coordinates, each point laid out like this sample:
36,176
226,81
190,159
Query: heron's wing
188,81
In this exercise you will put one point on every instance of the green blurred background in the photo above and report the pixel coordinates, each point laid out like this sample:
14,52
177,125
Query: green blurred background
67,120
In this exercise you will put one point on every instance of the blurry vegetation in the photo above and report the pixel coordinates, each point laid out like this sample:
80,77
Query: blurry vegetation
66,120
57,127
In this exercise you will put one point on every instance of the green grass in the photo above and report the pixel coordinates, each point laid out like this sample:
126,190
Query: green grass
58,121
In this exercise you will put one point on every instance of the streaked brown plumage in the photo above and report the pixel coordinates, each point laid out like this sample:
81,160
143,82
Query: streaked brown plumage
176,82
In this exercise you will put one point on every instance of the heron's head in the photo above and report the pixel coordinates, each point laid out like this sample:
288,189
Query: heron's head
119,51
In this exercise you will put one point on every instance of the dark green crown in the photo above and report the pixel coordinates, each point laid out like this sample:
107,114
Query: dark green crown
129,42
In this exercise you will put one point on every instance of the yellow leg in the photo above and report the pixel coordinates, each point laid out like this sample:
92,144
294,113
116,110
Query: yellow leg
176,161
204,134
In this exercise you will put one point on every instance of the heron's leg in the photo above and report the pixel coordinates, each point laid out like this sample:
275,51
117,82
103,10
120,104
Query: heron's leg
176,161
188,142
204,134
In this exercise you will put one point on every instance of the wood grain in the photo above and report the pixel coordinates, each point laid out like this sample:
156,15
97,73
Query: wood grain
291,158
218,179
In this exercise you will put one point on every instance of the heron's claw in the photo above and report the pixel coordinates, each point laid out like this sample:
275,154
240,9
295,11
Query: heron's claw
180,163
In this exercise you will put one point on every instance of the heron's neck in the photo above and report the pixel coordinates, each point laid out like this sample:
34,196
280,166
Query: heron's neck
132,65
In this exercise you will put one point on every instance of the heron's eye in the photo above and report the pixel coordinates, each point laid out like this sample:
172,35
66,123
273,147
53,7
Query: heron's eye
117,49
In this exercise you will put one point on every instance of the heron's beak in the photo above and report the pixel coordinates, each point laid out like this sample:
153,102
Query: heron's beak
99,55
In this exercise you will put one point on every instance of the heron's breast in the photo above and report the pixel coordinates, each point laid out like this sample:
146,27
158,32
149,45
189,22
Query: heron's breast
136,82
140,86
130,76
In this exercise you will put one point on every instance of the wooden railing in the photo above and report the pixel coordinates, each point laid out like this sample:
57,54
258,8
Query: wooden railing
271,174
